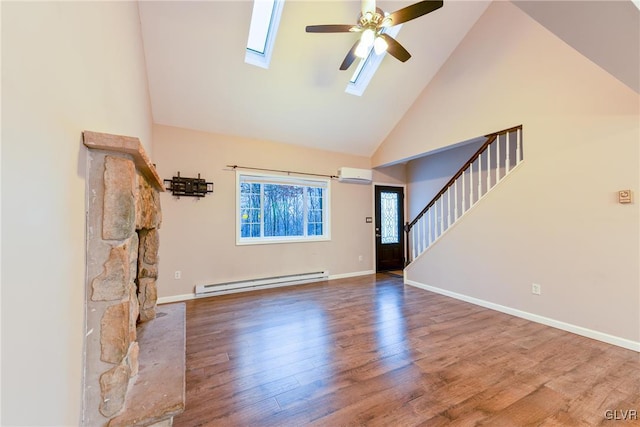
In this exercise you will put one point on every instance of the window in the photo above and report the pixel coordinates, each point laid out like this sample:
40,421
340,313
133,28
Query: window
277,209
265,20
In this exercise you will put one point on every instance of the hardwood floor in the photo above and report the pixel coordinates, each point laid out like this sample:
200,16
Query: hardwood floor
371,351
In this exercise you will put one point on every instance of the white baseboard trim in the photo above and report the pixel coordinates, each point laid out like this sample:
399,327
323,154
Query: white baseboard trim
578,330
176,298
187,297
354,274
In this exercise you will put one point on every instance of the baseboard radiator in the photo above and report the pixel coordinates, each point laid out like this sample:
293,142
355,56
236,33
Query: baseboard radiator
267,282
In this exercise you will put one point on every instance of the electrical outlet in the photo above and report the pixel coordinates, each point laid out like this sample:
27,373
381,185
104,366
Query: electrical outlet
177,274
360,258
536,289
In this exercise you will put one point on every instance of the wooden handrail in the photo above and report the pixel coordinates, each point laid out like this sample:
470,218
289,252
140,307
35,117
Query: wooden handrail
490,139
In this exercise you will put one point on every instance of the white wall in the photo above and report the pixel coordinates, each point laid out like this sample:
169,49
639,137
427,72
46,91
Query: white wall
198,236
556,220
66,67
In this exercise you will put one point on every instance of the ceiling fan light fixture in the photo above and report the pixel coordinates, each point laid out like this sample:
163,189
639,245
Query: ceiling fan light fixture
380,45
362,51
373,23
366,42
368,37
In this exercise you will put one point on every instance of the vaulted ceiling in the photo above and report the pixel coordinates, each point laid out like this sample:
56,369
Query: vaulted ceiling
198,78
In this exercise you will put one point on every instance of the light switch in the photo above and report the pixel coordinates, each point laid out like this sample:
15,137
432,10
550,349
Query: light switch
624,196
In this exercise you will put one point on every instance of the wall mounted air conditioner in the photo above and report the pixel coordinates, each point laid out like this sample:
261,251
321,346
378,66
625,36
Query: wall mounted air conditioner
357,176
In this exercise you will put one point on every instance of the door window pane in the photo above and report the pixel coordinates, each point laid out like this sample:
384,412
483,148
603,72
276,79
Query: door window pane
389,217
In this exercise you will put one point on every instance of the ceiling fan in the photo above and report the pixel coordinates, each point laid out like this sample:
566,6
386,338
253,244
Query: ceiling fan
372,23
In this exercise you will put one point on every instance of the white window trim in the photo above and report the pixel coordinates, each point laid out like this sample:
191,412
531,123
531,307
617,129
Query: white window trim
284,179
264,59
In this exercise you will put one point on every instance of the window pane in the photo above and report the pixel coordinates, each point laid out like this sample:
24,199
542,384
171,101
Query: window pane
315,216
250,230
249,210
389,217
283,210
260,23
249,219
314,229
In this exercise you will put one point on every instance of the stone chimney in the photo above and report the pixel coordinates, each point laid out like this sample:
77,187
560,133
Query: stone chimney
123,217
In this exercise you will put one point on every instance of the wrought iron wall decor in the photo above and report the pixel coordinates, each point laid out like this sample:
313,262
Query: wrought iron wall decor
191,187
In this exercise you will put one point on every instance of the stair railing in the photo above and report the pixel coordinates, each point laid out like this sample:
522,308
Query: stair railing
494,160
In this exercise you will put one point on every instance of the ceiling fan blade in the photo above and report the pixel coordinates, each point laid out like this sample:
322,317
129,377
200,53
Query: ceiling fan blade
395,49
351,56
414,11
338,28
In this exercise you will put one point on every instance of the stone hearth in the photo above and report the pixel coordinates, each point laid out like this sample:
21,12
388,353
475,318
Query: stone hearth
123,217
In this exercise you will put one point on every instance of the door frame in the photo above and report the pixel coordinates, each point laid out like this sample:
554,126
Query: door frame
373,214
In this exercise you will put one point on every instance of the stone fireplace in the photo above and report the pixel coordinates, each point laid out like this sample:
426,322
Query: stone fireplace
123,217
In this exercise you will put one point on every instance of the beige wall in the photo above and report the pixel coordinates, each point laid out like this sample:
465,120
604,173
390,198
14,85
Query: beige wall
427,175
66,67
556,220
198,236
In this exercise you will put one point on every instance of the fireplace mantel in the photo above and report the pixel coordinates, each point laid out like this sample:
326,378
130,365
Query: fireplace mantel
127,145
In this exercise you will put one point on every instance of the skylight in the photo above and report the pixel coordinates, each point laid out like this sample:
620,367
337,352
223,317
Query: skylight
368,66
265,20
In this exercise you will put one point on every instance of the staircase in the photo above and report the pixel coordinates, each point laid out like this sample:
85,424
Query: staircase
495,159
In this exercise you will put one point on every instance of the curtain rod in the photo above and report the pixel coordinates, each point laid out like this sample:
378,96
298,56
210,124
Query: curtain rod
277,170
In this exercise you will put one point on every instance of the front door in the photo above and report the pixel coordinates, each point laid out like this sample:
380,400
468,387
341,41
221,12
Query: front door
389,228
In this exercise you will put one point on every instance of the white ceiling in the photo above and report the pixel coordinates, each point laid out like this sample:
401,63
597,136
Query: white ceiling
198,78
